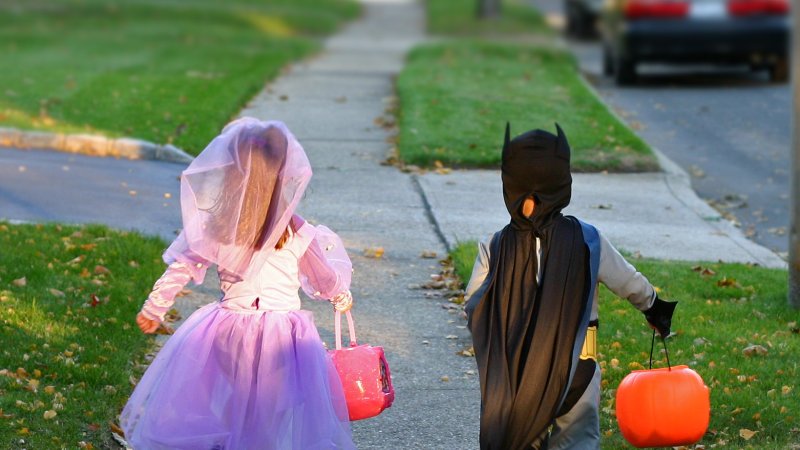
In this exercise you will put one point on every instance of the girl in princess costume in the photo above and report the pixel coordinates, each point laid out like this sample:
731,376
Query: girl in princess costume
248,371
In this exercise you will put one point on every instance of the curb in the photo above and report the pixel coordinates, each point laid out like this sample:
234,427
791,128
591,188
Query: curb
92,145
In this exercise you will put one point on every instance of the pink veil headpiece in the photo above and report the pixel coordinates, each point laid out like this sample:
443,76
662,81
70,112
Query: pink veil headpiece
238,196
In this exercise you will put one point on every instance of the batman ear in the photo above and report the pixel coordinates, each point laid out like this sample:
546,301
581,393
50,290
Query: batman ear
562,149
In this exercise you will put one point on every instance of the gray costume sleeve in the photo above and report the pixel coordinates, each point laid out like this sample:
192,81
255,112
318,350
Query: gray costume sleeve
622,278
477,286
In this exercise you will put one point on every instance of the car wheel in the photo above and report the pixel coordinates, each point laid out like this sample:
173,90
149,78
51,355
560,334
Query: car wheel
779,71
608,62
624,71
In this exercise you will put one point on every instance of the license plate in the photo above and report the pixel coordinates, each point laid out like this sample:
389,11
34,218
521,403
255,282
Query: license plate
708,9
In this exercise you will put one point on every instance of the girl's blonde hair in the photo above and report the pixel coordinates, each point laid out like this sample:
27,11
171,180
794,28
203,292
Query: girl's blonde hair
282,240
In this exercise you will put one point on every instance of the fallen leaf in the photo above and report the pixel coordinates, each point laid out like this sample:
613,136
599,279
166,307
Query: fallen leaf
21,282
373,252
445,378
120,440
93,300
76,260
427,254
49,414
746,434
755,350
56,292
101,270
728,282
172,315
116,429
164,329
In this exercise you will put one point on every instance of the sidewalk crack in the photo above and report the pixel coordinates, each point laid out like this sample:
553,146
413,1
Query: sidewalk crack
429,212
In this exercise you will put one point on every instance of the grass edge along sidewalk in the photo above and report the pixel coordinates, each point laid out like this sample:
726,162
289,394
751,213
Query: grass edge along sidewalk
732,326
168,73
71,350
455,96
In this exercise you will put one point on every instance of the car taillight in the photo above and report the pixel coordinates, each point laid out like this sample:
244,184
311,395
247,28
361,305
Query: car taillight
656,9
758,7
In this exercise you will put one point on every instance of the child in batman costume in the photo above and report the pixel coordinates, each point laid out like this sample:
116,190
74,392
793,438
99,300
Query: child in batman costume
532,306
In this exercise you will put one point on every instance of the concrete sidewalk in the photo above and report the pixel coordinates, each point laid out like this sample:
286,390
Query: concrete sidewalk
653,215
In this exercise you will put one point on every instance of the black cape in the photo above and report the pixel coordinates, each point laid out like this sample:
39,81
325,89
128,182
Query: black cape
525,333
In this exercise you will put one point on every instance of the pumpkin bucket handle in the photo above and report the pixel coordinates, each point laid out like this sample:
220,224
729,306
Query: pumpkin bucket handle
653,344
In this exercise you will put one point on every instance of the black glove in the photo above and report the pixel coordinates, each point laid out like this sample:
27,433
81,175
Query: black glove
659,316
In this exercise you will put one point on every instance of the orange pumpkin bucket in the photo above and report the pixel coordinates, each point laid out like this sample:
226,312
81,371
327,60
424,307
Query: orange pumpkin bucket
663,407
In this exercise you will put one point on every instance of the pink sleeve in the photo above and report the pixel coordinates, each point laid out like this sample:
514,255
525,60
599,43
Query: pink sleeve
325,268
162,297
179,251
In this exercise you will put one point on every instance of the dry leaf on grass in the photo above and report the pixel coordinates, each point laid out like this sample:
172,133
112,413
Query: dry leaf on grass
21,282
755,350
728,282
746,434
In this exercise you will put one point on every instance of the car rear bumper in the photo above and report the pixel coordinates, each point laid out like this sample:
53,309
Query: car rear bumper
729,40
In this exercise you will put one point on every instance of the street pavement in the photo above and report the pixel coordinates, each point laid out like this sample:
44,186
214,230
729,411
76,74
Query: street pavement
335,104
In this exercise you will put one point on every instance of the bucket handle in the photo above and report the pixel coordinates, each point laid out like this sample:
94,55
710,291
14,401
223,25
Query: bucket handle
653,344
337,324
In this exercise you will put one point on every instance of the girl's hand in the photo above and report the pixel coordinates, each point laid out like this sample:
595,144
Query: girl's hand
147,326
343,302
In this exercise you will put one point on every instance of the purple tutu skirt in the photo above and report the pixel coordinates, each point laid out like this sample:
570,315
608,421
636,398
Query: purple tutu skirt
236,380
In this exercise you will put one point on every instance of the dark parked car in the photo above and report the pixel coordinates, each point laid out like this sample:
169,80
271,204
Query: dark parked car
754,32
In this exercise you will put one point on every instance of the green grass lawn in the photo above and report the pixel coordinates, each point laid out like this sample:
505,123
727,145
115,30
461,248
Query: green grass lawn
164,71
68,298
724,308
456,96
